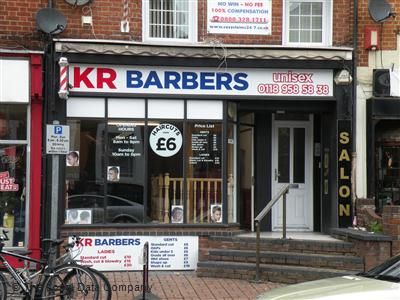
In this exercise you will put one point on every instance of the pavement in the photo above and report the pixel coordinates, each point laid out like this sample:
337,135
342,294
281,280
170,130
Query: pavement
184,285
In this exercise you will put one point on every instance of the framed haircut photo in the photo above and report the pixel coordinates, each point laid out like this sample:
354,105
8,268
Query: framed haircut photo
216,213
113,173
78,216
177,214
72,159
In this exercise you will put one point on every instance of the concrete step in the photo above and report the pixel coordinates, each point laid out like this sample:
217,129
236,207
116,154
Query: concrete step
282,245
268,272
347,262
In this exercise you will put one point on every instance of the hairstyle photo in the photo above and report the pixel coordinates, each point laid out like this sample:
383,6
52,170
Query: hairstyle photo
216,213
72,159
177,214
113,173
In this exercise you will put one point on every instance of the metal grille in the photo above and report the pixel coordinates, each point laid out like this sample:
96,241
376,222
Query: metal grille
169,19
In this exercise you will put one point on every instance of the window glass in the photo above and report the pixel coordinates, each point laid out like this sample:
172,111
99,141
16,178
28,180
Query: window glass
13,192
85,172
13,176
165,169
283,171
13,122
231,164
204,172
169,19
298,155
305,21
125,172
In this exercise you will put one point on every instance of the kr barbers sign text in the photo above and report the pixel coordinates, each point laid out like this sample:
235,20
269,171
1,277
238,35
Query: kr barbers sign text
200,81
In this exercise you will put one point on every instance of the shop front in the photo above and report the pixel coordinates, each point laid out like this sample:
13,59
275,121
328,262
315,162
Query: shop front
178,147
20,149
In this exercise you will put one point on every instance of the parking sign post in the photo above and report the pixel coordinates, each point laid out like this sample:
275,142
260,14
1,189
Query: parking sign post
57,143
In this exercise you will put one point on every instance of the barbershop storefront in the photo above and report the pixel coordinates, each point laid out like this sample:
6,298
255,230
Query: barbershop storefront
20,149
161,143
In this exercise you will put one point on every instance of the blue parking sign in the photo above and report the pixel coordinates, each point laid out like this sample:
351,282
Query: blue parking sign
58,129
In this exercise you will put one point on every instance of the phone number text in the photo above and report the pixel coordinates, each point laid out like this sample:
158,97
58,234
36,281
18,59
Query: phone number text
293,89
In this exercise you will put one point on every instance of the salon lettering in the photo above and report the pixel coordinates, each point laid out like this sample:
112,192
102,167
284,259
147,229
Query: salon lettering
344,173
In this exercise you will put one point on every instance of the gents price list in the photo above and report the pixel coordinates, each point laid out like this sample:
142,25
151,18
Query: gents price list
173,253
205,145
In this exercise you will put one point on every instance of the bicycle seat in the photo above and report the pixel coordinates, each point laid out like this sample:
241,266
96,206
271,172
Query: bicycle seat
53,241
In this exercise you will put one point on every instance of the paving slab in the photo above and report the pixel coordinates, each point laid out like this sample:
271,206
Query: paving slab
184,285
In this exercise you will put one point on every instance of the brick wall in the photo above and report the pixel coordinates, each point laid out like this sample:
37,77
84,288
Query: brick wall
391,225
18,25
388,30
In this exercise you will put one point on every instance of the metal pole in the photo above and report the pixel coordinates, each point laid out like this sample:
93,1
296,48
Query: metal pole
284,216
54,193
257,251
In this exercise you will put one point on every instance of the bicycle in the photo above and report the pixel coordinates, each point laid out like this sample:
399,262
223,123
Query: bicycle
64,281
105,291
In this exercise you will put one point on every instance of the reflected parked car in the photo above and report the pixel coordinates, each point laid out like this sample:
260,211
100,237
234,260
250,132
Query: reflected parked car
119,210
382,282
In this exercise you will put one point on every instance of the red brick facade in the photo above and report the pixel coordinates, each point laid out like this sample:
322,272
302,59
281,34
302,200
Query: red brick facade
18,24
387,30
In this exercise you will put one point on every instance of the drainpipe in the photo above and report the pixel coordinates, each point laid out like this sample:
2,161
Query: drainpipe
354,108
50,4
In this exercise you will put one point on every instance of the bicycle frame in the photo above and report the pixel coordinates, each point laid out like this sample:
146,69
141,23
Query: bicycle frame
18,278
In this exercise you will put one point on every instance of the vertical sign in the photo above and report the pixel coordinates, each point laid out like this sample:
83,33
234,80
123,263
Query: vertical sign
344,173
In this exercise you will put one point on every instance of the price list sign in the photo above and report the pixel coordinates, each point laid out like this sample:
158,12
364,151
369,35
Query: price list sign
206,145
124,253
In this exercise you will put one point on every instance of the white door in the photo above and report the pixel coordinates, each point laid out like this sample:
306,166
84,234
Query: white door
292,163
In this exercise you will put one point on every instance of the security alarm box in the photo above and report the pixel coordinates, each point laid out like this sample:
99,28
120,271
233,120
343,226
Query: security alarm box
371,38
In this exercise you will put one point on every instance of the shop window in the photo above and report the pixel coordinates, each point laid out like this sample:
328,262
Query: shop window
204,172
149,170
125,172
86,107
165,168
387,153
85,170
308,22
13,172
173,20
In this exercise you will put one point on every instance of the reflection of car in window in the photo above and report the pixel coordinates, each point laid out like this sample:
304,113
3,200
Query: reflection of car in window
119,210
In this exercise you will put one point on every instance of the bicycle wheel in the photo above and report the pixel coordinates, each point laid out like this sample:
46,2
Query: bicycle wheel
105,292
71,282
3,287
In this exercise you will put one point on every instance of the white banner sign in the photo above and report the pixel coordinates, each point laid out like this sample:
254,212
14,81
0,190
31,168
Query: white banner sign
123,253
200,81
239,16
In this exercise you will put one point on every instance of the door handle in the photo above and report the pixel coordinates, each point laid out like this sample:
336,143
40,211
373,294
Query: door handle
277,174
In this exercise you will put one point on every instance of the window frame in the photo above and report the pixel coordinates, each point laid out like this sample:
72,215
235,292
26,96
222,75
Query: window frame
327,23
192,23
